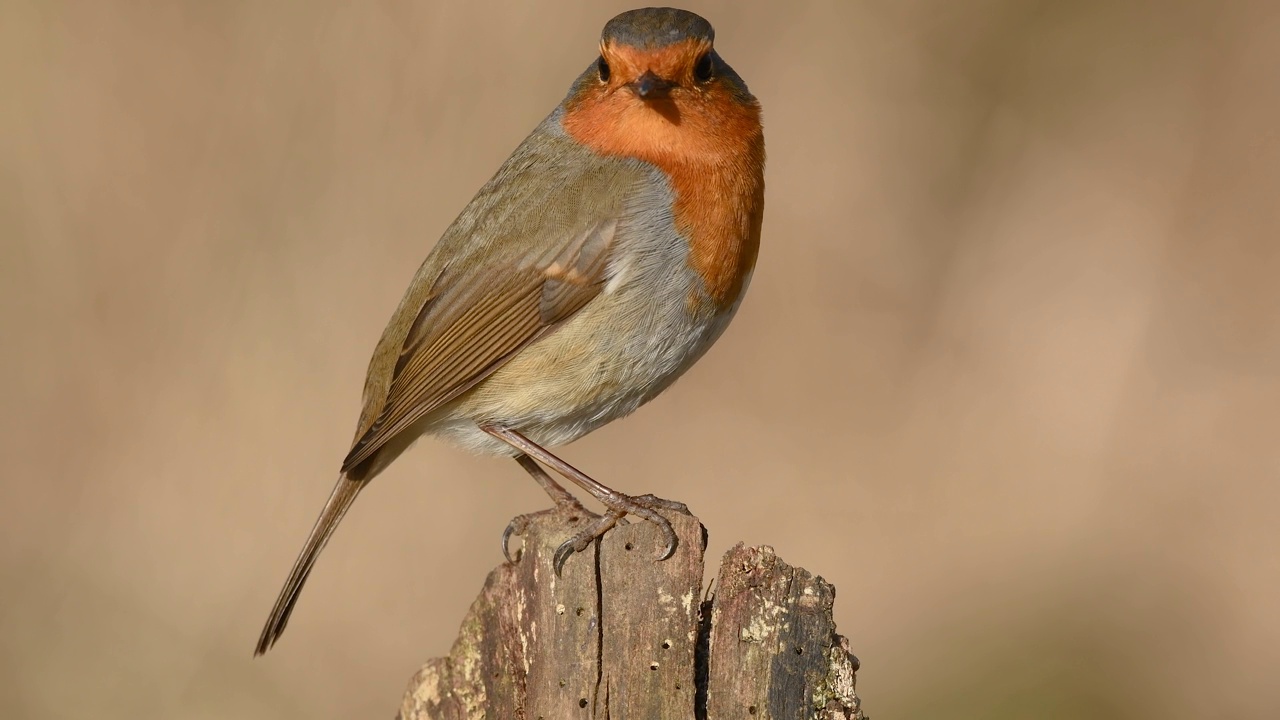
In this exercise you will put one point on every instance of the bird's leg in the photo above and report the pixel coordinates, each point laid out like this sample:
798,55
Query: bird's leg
618,504
561,497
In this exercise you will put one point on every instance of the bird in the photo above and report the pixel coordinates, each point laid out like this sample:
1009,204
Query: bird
601,261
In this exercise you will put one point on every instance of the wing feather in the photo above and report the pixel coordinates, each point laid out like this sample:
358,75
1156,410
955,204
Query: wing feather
473,322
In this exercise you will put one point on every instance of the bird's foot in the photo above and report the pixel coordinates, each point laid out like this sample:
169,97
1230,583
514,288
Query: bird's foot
642,506
571,509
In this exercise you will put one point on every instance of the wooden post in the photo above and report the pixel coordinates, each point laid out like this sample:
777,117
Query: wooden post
621,635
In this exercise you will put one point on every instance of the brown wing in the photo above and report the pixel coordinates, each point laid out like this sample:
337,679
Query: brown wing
476,320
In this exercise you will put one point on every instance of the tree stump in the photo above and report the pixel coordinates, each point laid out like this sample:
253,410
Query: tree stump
622,635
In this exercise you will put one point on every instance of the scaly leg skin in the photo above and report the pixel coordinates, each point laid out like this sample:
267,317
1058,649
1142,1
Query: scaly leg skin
619,505
561,497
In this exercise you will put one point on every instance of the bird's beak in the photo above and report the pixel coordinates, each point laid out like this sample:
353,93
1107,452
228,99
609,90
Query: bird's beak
651,87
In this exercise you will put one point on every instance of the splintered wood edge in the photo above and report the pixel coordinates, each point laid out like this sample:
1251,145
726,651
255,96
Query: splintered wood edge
773,650
621,634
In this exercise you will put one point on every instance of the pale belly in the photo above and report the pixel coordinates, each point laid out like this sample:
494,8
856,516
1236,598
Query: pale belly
620,352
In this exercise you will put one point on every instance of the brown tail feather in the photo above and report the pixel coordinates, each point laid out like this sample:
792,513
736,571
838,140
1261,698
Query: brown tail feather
344,493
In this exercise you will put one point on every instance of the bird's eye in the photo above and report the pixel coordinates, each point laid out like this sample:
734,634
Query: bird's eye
703,70
603,67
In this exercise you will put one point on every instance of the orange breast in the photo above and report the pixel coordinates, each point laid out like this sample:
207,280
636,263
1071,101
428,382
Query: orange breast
712,150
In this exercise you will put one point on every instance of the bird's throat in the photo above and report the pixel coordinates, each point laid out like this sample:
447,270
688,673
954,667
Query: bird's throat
712,152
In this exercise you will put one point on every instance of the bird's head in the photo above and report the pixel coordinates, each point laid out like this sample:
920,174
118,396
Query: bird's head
658,79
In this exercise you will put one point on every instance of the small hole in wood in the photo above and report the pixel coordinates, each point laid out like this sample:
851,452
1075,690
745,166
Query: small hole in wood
666,646
573,519
578,612
628,546
799,650
582,702
653,666
751,710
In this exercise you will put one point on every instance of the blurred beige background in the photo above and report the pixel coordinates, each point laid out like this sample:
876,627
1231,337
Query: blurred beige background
1008,373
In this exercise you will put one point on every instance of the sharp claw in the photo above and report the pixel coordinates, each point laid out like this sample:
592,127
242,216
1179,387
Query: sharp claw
668,533
672,542
562,554
506,540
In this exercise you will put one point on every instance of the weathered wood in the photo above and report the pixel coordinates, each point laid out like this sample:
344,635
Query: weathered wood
650,621
621,635
774,652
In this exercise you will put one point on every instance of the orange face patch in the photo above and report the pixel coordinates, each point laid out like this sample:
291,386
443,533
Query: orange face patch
673,62
706,139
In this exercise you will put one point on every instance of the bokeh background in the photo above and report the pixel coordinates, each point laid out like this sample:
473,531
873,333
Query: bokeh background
1008,373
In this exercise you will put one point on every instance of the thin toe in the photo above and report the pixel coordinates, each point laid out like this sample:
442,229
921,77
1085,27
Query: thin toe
582,539
655,502
646,507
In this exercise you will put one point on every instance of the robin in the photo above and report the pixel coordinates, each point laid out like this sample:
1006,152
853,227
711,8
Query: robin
602,260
